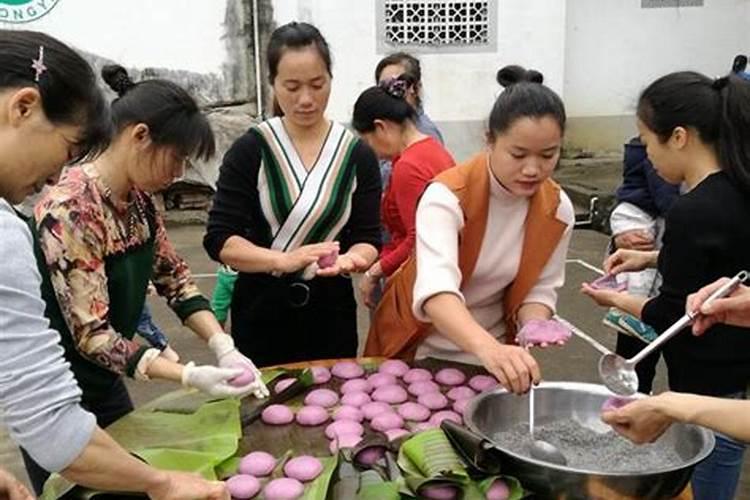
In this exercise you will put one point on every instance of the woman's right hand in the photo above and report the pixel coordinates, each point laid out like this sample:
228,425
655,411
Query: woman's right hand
300,258
624,260
512,365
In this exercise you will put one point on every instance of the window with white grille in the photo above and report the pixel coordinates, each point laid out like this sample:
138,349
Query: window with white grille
429,25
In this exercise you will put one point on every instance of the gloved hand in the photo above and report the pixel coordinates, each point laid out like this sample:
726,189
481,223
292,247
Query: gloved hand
542,332
213,381
229,357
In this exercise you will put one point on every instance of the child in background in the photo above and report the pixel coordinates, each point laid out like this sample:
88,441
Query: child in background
149,331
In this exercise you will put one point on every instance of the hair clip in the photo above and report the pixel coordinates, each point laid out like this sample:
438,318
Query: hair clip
38,64
720,83
395,87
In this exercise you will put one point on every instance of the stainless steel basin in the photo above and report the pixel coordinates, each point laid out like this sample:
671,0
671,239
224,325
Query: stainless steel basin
495,411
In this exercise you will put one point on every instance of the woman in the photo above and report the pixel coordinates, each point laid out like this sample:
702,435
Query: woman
52,113
292,190
386,121
101,240
696,131
492,235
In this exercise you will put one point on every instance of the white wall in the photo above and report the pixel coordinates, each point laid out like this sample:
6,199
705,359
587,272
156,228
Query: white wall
174,34
614,48
458,87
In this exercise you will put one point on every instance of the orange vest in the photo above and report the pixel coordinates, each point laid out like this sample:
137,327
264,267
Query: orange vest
395,332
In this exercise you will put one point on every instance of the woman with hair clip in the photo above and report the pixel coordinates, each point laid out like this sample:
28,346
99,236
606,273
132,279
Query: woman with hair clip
697,132
52,114
492,235
296,211
385,120
101,239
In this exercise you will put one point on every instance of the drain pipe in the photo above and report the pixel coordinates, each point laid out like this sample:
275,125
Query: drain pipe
256,57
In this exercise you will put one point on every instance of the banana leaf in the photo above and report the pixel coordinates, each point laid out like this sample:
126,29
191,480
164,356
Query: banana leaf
428,457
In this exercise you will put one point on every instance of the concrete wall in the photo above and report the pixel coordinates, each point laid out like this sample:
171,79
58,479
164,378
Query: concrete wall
614,48
459,88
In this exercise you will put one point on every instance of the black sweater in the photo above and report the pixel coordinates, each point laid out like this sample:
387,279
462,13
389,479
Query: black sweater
236,206
707,236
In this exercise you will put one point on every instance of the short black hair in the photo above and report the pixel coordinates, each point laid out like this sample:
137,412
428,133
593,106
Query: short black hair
67,85
172,115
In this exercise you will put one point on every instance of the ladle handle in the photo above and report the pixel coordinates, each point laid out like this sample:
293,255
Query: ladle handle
579,333
688,318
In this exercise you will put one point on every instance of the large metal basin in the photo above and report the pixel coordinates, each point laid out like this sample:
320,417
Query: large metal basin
498,410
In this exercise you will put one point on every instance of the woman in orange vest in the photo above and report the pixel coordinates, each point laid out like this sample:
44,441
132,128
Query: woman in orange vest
492,236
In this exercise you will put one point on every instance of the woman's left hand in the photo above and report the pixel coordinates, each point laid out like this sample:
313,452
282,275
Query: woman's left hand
603,297
349,262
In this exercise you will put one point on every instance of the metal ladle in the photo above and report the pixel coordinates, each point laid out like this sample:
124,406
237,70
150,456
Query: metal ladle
619,374
540,449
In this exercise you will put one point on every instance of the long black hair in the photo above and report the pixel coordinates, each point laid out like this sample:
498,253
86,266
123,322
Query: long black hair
65,81
718,109
385,101
171,114
524,96
294,35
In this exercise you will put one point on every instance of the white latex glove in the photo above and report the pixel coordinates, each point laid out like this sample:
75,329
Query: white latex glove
229,357
213,381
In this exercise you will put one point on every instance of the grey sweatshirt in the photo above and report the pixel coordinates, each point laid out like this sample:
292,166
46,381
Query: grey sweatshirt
39,397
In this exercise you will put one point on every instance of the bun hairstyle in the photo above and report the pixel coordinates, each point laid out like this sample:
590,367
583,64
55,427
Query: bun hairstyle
117,78
524,96
511,74
411,66
171,114
718,109
385,101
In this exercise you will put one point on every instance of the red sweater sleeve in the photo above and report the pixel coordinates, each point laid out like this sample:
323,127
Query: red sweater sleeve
409,181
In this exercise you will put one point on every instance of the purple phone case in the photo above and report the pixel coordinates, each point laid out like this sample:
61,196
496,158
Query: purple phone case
608,282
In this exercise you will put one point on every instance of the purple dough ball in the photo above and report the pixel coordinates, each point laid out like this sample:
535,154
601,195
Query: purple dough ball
328,260
433,400
343,427
347,370
450,376
387,421
246,377
417,375
615,403
394,367
257,463
377,380
461,392
370,455
277,415
460,406
243,486
321,375
394,434
348,413
482,383
440,492
423,387
498,490
303,468
438,417
322,397
310,416
414,412
283,489
372,410
357,399
344,441
356,385
392,394
283,384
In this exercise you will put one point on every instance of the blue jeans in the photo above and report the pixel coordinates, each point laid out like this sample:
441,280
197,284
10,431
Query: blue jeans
717,476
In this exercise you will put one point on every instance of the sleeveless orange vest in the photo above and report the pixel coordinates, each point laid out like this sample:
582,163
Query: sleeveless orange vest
395,332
